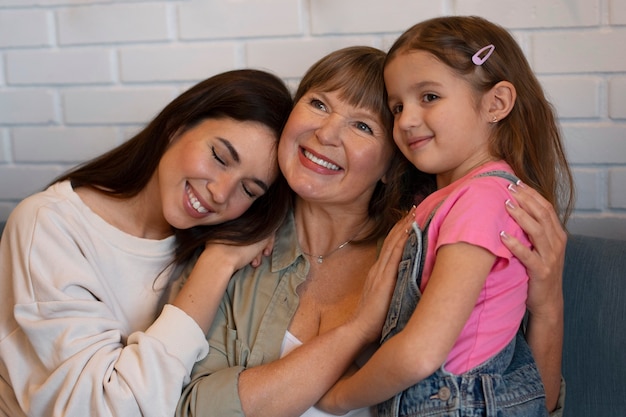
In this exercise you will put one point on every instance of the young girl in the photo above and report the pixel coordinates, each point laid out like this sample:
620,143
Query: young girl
86,265
468,109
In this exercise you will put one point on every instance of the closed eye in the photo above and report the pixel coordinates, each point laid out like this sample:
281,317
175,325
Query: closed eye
217,157
256,184
248,192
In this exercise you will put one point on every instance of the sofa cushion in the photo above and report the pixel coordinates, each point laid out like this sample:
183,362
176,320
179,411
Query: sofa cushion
594,346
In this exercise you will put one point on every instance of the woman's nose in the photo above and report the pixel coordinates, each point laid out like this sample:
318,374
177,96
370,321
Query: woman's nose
221,188
329,132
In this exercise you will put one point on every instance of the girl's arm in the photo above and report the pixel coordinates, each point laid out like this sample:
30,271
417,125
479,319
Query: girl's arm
454,286
544,263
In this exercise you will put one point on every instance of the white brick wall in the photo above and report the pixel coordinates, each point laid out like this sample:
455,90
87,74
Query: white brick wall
78,77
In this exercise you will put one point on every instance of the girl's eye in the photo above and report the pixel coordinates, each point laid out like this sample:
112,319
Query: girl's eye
318,104
430,97
364,127
397,109
216,156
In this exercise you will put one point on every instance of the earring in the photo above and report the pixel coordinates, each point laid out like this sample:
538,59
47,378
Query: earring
494,120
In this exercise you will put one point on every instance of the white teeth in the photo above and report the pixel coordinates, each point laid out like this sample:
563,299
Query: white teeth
194,201
320,162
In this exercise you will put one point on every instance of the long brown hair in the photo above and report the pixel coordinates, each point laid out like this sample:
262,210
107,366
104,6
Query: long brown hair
528,139
244,95
357,74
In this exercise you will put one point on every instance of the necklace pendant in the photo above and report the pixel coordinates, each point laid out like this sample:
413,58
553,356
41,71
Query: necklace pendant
320,259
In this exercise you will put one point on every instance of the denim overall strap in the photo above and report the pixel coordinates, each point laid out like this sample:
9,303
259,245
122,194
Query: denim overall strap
485,389
406,293
499,173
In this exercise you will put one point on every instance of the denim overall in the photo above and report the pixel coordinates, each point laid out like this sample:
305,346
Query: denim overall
508,384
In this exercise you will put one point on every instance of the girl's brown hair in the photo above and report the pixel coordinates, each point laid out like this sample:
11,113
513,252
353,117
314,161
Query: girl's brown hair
357,74
528,139
244,95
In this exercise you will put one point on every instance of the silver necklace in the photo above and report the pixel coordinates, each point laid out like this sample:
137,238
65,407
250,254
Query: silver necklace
320,258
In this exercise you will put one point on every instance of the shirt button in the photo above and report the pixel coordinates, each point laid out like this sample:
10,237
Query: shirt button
444,393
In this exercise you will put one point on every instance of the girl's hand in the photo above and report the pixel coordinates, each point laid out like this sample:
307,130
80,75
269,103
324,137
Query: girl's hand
381,279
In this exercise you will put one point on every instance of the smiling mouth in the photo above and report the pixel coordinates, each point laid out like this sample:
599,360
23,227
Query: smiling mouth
418,142
194,201
319,161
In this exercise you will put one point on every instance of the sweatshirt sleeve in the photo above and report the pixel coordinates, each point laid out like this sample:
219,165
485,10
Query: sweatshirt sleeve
213,390
66,345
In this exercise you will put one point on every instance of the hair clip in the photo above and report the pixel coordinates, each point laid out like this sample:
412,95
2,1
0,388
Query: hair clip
476,59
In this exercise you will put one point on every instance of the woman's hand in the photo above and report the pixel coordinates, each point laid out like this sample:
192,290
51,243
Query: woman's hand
237,256
544,263
266,251
381,279
203,290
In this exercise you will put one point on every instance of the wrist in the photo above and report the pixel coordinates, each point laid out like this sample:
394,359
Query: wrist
549,312
361,331
223,263
547,322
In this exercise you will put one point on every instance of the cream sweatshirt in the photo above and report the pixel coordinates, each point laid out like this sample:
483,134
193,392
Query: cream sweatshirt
84,327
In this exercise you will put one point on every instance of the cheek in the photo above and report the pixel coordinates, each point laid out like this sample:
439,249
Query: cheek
293,125
284,154
235,209
397,135
375,162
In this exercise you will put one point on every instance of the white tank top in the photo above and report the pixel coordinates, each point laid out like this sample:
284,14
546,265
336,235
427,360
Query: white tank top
290,342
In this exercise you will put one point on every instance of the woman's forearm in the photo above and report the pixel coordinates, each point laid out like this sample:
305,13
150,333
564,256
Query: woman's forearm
544,263
203,291
545,337
291,385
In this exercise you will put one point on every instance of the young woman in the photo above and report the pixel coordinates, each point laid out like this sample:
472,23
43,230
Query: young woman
86,266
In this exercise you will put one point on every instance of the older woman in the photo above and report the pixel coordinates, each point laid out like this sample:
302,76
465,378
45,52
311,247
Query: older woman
287,330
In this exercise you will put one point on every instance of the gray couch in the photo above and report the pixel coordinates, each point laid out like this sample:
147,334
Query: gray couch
594,351
594,348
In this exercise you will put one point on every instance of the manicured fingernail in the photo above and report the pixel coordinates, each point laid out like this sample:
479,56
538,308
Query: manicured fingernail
520,184
504,235
509,204
512,188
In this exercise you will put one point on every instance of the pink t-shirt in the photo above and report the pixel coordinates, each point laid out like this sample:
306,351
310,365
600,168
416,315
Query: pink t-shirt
474,212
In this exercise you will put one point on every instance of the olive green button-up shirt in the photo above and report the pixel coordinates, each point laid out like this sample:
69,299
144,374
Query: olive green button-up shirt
249,327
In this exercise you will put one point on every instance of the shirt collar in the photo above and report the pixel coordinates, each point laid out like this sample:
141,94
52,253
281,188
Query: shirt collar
286,248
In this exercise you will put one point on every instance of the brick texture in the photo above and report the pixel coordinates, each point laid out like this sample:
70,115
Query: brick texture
77,77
